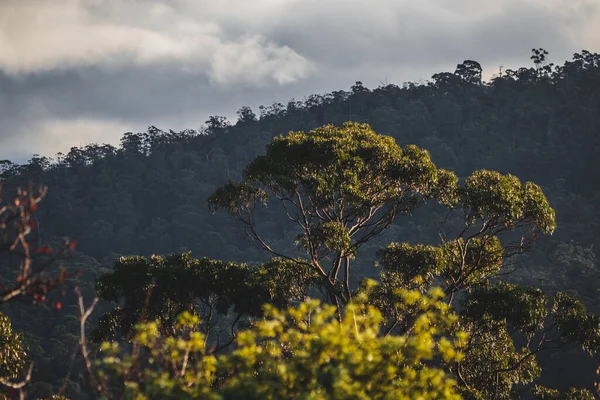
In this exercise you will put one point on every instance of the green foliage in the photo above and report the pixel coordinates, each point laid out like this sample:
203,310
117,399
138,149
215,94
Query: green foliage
161,288
543,393
472,261
352,162
456,264
446,191
235,197
341,186
177,367
492,367
491,196
523,307
327,237
340,181
411,265
575,324
491,312
299,353
12,353
345,172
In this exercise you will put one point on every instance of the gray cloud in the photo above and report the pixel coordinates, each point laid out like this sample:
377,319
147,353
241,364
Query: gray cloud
80,71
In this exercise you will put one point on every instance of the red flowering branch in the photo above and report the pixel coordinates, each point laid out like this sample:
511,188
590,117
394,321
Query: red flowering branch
16,224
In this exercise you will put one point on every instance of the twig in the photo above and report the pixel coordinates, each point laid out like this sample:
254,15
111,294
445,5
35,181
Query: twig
85,313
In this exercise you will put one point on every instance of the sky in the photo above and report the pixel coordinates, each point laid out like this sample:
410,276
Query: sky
75,72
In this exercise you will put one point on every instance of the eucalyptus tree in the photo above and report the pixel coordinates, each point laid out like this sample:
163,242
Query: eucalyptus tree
342,186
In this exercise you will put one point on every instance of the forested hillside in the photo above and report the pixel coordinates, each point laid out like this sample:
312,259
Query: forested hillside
540,123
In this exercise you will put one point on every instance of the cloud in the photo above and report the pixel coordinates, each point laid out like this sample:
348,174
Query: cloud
51,136
207,35
253,59
45,35
432,33
113,64
71,34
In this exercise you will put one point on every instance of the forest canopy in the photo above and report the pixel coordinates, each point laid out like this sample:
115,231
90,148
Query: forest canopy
449,188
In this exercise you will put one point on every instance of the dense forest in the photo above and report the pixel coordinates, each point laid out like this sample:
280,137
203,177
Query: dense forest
458,213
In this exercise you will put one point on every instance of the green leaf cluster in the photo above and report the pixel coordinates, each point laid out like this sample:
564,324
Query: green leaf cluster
489,195
161,288
12,352
302,352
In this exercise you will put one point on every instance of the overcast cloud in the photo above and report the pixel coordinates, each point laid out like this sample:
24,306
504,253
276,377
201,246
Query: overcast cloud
73,72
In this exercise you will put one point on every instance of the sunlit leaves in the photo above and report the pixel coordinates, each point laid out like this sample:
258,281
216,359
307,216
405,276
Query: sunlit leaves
470,262
413,265
492,366
491,196
332,236
341,185
351,162
175,366
537,209
236,197
457,263
446,191
306,353
12,353
303,352
544,393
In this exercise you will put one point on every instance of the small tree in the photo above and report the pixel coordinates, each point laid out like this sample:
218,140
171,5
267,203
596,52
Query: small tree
29,272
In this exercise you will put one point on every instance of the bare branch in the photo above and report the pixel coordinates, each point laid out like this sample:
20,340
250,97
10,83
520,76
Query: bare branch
84,315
